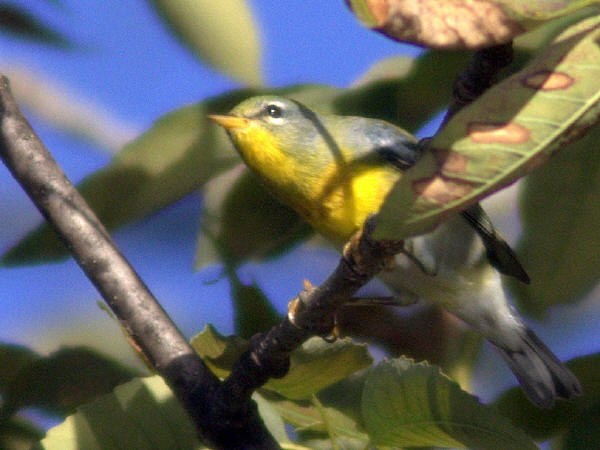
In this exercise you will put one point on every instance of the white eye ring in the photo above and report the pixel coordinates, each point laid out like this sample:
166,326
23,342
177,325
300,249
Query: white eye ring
273,113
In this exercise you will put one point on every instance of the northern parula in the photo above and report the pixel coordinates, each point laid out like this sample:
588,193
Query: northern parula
336,170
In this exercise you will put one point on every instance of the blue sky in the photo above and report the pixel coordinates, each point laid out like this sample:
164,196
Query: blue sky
127,64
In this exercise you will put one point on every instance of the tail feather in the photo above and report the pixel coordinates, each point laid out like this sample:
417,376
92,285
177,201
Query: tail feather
542,376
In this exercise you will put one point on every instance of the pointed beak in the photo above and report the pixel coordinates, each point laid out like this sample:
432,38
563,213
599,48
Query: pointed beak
229,122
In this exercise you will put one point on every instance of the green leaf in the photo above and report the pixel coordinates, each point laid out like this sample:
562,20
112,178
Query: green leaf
585,433
253,312
314,366
242,221
560,215
141,414
406,404
20,23
512,129
340,443
408,95
218,352
13,358
19,434
305,416
542,424
542,36
221,33
345,396
63,380
318,364
458,24
535,12
271,418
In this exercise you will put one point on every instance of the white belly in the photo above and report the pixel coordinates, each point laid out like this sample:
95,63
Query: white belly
459,277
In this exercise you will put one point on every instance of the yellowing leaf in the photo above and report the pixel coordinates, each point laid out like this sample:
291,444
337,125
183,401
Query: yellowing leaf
459,23
512,129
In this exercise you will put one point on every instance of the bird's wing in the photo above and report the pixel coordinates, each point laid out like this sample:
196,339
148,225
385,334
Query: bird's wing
401,152
499,253
392,144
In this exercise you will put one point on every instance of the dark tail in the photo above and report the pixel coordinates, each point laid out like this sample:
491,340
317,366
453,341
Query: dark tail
542,376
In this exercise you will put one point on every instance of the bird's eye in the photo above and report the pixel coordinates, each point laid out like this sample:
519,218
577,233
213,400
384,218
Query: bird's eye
273,111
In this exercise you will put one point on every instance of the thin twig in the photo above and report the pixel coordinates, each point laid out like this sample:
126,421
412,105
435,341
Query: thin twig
311,313
478,76
150,328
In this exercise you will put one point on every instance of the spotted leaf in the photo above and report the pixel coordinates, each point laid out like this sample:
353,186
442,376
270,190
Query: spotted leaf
512,129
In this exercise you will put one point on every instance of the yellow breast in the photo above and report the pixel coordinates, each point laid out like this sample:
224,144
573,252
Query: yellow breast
335,200
347,196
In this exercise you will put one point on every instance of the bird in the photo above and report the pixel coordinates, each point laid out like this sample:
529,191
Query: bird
335,171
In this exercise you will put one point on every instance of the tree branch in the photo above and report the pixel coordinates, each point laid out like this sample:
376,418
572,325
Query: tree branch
478,76
136,308
311,313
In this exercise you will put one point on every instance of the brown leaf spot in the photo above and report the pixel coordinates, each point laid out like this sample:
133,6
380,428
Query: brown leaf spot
501,133
546,80
450,161
441,190
379,10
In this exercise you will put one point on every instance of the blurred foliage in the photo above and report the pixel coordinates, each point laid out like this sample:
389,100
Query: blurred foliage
563,252
141,414
403,403
223,34
333,396
18,22
55,384
254,312
545,424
